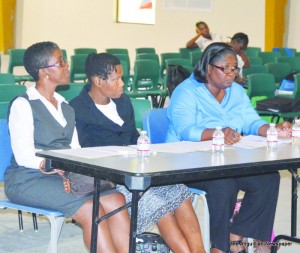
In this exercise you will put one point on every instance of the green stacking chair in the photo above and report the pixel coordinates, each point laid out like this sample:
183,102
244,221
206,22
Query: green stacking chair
84,50
140,106
279,70
252,51
145,50
293,61
126,76
195,57
296,91
149,56
70,91
117,51
164,57
3,109
268,57
10,91
64,54
124,57
16,60
253,69
7,78
77,68
285,51
183,62
185,52
255,60
145,82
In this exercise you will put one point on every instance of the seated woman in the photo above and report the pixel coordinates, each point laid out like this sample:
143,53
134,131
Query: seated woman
210,98
41,119
104,116
239,43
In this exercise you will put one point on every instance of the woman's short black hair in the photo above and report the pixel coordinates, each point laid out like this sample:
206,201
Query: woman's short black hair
213,53
241,38
37,56
201,23
101,64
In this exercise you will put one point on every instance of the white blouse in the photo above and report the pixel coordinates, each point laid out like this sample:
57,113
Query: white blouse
22,129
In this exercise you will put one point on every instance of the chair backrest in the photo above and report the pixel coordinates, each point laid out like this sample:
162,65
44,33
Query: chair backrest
117,51
146,70
77,66
164,57
293,61
7,78
3,109
140,106
15,59
285,51
10,91
182,62
126,74
296,92
252,51
268,57
5,147
64,54
253,69
147,50
185,52
124,57
148,56
255,60
84,50
279,70
195,57
70,91
261,84
156,123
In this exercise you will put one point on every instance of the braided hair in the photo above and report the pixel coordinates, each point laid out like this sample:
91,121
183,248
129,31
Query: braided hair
101,64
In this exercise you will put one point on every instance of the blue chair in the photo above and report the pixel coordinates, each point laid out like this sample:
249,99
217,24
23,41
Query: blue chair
56,218
156,123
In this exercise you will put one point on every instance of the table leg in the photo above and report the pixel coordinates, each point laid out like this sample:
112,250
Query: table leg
95,216
133,221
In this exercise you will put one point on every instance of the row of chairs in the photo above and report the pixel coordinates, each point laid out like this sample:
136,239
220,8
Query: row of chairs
283,51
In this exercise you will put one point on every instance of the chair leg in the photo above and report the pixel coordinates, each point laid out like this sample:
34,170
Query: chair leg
20,219
56,224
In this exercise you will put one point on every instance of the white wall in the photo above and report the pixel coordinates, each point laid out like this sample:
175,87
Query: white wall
91,23
293,20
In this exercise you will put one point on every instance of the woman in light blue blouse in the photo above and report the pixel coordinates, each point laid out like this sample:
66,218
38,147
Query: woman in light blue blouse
210,98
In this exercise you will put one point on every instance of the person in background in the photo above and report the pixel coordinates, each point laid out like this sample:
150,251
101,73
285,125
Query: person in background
41,119
203,37
104,116
210,98
239,43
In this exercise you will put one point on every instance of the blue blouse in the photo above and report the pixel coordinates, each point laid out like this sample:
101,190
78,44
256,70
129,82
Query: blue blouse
192,109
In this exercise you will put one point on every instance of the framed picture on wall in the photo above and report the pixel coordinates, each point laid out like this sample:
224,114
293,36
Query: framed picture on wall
136,11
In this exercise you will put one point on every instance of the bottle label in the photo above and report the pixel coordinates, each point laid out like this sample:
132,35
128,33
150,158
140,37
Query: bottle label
217,141
143,146
272,137
296,133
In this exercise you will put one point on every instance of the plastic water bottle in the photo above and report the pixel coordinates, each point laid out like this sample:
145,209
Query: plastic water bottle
218,140
296,132
143,145
272,136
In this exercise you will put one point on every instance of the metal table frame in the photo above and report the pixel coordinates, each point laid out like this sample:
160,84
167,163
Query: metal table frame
164,169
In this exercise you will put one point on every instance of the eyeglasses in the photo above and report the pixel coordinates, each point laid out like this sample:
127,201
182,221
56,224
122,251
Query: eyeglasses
227,70
59,64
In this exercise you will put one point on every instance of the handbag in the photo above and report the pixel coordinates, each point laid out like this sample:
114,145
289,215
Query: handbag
82,186
151,242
